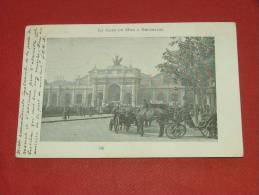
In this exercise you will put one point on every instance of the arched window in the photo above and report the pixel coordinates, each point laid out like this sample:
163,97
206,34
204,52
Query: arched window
114,93
79,98
53,99
68,99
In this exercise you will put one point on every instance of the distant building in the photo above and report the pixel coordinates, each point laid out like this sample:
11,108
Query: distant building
116,83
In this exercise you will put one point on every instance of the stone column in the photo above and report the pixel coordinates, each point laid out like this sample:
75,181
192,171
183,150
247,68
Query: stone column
85,97
122,94
104,95
73,97
93,95
133,99
58,96
48,100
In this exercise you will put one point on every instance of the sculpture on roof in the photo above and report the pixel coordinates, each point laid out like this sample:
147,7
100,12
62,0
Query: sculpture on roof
117,60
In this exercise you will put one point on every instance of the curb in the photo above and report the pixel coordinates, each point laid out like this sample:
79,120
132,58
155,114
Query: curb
63,120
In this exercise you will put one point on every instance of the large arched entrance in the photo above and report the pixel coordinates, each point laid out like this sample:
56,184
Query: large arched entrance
114,93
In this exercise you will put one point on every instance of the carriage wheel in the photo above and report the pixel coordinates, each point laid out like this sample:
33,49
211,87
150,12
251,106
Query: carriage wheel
174,131
212,126
210,131
205,132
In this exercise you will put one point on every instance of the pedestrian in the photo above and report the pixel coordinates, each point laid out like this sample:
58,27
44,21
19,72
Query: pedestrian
64,113
68,112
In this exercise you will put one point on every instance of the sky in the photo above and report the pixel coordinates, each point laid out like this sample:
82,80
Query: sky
69,58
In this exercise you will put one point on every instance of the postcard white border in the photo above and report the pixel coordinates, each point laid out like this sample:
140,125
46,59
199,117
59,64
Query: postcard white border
229,143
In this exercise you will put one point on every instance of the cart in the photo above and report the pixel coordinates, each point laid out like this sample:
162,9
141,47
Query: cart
207,126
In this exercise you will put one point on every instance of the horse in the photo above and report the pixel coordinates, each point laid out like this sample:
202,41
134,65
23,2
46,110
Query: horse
160,112
125,117
147,123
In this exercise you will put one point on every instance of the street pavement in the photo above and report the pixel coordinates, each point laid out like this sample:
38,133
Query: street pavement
71,118
98,130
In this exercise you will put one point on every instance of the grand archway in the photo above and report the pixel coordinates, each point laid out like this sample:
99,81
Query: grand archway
114,93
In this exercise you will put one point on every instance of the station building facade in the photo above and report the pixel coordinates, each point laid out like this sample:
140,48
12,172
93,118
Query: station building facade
117,84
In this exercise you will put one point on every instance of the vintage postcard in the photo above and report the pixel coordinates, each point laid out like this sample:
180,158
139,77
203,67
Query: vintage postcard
130,90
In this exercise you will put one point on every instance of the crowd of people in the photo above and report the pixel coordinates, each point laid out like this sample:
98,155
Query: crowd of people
67,111
175,111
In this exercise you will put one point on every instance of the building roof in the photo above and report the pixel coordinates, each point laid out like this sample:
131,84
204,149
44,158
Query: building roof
62,83
118,66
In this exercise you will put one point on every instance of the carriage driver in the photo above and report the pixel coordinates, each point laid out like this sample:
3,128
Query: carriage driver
146,105
116,111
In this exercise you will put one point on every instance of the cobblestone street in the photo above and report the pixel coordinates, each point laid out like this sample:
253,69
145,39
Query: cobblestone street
98,130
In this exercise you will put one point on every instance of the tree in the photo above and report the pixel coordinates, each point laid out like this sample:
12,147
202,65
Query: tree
191,60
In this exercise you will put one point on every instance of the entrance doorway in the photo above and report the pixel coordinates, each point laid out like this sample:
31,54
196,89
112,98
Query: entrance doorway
114,93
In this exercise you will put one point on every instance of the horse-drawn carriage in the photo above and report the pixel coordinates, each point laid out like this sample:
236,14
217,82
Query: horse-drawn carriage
173,124
124,117
176,128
